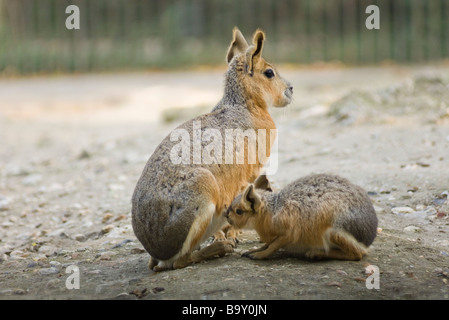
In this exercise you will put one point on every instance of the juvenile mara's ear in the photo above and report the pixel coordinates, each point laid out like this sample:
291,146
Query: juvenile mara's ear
263,183
250,199
254,52
238,45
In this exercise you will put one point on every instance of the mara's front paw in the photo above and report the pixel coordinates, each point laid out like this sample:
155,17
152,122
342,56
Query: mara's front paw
315,254
219,236
254,255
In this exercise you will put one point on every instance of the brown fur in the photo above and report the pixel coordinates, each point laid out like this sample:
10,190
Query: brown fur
320,216
175,207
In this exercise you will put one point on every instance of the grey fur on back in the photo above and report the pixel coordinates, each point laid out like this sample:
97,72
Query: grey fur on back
350,204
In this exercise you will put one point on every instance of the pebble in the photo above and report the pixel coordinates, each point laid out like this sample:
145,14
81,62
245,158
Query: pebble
55,264
4,204
334,284
342,272
402,210
3,257
48,271
412,229
18,254
80,237
121,244
107,255
379,209
17,291
106,217
48,250
107,228
137,251
32,179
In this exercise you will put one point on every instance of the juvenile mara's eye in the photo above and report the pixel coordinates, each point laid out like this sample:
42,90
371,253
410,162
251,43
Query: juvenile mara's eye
239,211
269,73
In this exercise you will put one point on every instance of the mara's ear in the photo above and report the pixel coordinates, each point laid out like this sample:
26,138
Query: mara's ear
238,45
263,183
254,52
250,199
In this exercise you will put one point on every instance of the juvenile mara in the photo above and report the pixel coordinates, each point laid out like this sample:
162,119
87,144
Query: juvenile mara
320,216
176,206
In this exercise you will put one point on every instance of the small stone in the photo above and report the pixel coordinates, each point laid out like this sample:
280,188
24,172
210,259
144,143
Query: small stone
412,229
441,214
80,237
120,217
157,289
106,256
55,264
106,217
443,242
402,210
4,204
48,250
7,224
39,257
137,251
32,179
125,296
107,229
116,187
379,209
334,284
84,155
19,291
342,272
48,271
122,243
18,254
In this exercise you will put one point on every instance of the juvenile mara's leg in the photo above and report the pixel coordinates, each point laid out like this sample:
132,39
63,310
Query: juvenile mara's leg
342,246
220,235
227,233
247,253
267,250
232,234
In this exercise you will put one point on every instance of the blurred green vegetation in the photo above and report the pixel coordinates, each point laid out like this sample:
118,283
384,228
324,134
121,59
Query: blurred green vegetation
146,34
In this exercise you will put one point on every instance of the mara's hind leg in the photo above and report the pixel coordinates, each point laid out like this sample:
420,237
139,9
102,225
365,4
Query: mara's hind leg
219,248
152,262
340,245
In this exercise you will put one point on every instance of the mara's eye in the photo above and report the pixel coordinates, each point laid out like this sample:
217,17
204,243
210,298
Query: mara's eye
239,212
269,73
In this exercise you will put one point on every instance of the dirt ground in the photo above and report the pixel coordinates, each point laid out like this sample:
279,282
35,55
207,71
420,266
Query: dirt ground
73,147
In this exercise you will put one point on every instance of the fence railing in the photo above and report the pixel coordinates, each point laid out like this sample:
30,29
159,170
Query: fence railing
139,34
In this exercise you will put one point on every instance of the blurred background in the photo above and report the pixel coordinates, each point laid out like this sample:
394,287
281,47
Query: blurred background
165,34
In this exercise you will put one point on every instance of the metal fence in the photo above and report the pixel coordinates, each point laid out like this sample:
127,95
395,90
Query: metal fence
140,34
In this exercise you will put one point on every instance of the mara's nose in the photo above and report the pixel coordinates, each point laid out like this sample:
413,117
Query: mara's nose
290,88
